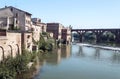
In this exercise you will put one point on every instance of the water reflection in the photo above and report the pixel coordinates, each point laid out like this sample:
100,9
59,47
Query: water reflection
78,62
80,52
65,50
56,55
116,57
99,54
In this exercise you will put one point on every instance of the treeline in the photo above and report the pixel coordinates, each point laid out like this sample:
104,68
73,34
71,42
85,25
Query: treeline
106,37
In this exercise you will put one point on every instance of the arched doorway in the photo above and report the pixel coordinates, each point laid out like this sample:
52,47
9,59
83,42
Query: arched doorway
1,53
10,50
17,50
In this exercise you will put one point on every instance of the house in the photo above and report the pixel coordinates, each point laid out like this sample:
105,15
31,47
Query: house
37,22
56,29
12,18
66,35
17,21
60,32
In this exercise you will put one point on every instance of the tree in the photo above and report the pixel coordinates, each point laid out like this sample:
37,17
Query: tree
108,37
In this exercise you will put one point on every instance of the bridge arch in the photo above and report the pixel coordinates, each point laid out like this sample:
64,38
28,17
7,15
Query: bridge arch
87,36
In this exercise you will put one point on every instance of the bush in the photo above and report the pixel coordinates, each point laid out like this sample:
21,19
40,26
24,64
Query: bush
6,73
45,45
10,67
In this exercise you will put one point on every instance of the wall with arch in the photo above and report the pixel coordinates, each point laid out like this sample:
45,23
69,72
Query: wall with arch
10,45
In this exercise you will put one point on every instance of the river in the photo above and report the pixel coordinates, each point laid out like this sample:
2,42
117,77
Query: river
80,62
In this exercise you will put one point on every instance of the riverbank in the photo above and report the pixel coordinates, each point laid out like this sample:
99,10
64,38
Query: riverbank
98,46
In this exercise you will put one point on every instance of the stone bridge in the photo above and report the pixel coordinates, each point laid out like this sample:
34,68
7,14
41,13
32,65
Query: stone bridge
98,32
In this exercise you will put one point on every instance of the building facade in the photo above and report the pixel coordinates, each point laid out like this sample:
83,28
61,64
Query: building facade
15,31
56,29
60,32
66,35
37,22
15,19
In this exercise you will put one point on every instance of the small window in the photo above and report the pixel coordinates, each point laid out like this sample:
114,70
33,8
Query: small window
16,21
28,36
28,46
39,20
32,29
11,9
16,14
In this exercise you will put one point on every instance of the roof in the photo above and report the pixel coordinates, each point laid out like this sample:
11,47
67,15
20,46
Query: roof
5,13
15,8
43,23
53,23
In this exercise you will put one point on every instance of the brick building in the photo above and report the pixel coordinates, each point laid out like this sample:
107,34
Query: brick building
59,31
56,29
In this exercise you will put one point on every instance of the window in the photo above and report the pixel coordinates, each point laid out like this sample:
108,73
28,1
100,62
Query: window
11,9
16,14
28,45
16,21
28,36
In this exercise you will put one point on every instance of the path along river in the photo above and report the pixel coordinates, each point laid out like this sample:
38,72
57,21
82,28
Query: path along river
81,62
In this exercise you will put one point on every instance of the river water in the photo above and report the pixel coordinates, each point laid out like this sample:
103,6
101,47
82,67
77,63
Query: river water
78,62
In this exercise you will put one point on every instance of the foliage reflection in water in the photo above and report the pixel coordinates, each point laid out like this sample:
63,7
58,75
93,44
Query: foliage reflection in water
75,62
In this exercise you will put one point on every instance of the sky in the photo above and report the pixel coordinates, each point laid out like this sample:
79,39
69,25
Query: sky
80,14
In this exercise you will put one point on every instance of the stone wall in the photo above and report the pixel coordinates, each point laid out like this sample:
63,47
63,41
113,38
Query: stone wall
10,45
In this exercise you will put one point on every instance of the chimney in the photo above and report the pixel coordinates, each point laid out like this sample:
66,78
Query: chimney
5,6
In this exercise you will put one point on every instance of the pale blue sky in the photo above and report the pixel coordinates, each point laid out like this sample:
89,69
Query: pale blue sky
78,13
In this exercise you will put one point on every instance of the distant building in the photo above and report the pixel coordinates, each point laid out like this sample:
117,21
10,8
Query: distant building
37,22
56,29
66,35
36,28
13,18
44,27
